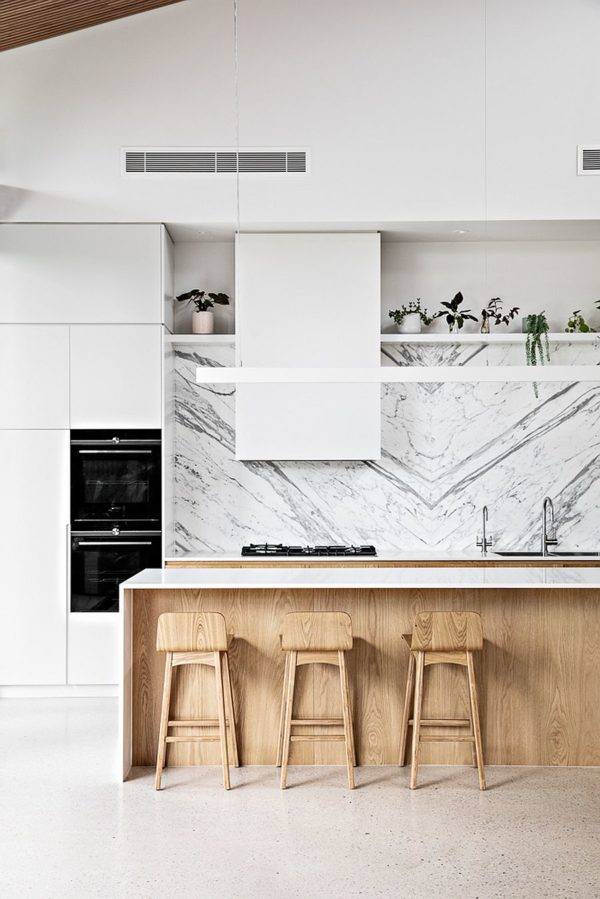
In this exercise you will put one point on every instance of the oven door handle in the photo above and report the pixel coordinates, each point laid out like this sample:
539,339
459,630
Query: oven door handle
111,452
114,543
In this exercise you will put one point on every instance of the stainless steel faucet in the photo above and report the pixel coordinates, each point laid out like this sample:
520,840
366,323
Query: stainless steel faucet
548,537
484,541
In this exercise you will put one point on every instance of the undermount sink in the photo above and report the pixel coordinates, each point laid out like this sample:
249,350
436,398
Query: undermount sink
540,555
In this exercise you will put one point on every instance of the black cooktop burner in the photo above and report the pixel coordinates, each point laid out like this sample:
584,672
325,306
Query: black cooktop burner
279,549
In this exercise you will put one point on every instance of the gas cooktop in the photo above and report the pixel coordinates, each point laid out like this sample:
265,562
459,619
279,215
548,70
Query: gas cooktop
279,549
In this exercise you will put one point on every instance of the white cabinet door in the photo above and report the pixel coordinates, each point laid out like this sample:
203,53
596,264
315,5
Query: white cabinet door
93,648
34,487
80,273
308,300
116,376
34,374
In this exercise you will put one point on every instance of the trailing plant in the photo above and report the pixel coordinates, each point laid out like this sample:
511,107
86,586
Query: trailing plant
454,315
202,300
577,324
494,312
414,308
537,347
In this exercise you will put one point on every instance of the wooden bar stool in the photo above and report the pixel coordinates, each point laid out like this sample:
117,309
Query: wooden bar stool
448,638
313,638
196,638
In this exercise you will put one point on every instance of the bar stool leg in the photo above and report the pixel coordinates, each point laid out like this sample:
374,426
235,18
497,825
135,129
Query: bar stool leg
289,703
417,719
410,679
282,713
164,720
221,716
347,716
476,725
232,718
350,721
472,720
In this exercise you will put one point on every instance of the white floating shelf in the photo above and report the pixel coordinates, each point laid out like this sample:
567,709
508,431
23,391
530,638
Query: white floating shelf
418,374
511,337
200,339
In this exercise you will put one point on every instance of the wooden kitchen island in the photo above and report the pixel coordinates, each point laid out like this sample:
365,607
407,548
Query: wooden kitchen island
538,675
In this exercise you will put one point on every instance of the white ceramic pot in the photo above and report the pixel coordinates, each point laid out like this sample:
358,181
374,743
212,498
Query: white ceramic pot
410,324
203,322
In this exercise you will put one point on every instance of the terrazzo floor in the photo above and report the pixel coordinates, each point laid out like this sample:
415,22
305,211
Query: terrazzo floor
69,829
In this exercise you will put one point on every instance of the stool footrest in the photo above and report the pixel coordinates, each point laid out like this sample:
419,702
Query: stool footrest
317,738
432,738
202,739
197,722
443,722
328,722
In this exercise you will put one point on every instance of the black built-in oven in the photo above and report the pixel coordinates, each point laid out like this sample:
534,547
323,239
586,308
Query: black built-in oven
101,561
115,513
115,479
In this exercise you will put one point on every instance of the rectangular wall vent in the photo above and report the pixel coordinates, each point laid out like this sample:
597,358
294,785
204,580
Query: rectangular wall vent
203,161
588,159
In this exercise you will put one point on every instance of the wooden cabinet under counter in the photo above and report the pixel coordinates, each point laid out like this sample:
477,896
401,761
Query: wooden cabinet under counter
538,673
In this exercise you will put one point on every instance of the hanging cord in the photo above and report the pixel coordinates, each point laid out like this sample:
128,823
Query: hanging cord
236,91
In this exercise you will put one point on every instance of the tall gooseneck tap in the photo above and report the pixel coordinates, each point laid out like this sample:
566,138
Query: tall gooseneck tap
548,534
485,541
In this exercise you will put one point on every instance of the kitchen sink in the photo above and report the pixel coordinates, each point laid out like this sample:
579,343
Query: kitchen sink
539,555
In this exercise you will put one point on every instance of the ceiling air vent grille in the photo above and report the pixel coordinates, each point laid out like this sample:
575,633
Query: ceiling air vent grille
588,159
203,161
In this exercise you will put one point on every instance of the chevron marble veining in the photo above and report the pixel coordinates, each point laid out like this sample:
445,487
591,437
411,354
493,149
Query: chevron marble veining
446,450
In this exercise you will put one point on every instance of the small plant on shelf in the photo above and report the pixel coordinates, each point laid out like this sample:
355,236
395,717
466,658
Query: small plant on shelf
203,320
454,315
577,324
537,347
409,319
494,313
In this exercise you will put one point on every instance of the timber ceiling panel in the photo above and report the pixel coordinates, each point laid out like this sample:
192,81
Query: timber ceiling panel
26,21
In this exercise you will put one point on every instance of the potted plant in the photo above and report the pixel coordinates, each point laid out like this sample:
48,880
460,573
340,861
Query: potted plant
410,319
577,324
494,312
454,315
203,319
537,348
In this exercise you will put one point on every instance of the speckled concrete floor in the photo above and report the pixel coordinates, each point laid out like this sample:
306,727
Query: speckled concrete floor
67,829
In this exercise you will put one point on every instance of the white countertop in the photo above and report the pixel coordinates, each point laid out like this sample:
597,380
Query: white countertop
362,578
385,555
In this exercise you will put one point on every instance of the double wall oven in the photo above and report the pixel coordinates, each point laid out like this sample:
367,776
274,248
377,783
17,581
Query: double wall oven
115,513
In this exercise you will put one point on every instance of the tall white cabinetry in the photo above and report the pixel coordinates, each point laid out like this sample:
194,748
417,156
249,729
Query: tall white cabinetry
34,486
81,323
308,301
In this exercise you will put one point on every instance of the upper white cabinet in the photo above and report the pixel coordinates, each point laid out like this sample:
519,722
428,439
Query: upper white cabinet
34,373
116,376
308,300
34,485
81,273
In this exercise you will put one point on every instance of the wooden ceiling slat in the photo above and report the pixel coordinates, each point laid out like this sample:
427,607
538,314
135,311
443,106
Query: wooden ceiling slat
27,21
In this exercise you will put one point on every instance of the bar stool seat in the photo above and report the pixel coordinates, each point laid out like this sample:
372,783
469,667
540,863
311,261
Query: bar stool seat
196,638
438,638
313,638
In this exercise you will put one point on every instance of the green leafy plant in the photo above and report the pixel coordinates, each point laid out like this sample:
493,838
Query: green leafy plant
537,347
414,308
577,324
494,312
202,300
454,315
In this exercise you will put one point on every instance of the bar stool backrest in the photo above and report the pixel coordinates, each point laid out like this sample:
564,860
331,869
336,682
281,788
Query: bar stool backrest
316,631
191,632
447,632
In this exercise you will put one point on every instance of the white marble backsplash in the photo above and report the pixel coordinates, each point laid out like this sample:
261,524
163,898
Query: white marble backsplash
446,450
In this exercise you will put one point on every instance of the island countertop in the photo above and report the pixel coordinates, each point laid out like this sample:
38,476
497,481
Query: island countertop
363,578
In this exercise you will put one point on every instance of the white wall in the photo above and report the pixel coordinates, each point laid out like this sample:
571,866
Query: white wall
555,276
389,95
208,266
